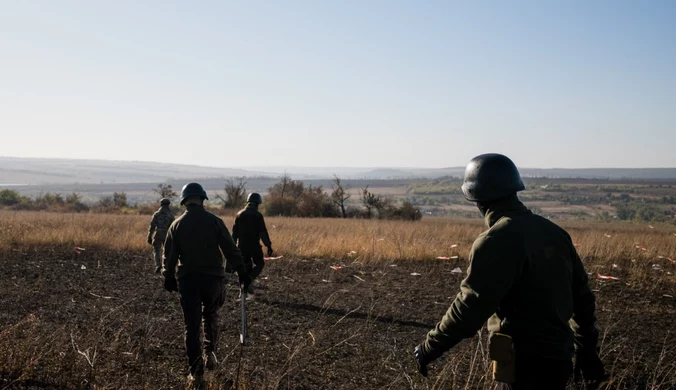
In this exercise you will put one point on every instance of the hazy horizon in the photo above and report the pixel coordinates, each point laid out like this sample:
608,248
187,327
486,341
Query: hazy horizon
379,84
282,167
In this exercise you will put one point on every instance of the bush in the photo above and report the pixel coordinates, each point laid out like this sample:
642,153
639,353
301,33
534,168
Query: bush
290,198
279,206
409,212
9,197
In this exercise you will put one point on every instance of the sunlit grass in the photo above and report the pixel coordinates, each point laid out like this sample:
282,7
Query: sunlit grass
342,239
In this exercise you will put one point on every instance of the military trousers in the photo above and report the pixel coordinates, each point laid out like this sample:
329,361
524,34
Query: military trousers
540,374
253,260
201,298
157,249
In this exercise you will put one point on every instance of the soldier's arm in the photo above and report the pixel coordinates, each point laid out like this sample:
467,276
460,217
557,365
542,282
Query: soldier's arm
170,257
264,233
584,306
235,230
153,225
490,275
228,247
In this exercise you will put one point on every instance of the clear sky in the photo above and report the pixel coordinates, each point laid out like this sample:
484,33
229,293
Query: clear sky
340,83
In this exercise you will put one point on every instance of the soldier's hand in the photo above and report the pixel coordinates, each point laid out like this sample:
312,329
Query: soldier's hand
170,284
421,360
270,251
588,366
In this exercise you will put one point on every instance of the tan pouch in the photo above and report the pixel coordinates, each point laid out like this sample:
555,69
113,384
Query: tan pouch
501,352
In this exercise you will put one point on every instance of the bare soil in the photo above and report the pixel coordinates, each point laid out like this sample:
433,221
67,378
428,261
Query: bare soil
100,319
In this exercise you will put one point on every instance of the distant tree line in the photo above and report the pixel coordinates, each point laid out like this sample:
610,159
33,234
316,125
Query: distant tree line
290,197
58,203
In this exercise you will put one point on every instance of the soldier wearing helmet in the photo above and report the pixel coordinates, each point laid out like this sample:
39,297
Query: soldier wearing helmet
526,279
193,266
159,225
249,229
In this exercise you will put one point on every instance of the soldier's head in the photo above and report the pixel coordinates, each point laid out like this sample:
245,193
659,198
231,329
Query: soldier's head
193,193
254,198
165,202
490,178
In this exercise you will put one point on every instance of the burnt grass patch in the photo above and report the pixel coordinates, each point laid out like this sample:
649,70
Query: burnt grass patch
101,320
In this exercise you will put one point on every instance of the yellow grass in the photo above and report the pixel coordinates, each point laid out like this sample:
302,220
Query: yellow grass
335,238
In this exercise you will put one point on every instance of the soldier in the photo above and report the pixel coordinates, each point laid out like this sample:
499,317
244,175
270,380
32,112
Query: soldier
196,243
248,230
524,274
162,219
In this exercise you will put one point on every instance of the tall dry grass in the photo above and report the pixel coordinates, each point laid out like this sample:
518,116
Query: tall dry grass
629,251
340,239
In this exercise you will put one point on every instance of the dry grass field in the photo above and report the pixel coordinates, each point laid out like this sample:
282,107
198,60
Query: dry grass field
99,319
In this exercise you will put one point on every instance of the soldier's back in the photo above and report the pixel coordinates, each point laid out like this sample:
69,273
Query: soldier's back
540,304
249,225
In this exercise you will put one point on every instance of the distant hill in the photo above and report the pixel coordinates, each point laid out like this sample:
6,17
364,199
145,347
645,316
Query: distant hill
38,171
603,173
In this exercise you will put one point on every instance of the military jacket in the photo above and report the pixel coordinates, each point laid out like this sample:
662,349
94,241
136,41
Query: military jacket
159,225
526,279
196,243
249,229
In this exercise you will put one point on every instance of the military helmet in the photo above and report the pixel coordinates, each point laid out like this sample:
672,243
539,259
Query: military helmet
165,202
254,197
490,177
192,189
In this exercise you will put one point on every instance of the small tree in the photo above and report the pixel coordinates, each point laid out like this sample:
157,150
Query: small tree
120,199
235,194
339,195
287,188
165,191
409,212
314,202
370,201
105,203
74,200
387,208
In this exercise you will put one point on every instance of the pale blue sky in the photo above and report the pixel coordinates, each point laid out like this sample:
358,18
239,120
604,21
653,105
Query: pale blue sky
341,83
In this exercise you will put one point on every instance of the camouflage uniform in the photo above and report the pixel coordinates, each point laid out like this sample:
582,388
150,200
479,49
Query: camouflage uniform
157,232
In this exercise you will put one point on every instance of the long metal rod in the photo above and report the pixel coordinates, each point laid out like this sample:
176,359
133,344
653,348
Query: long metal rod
242,335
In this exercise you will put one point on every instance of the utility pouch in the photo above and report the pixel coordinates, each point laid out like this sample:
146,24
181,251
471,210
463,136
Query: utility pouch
501,352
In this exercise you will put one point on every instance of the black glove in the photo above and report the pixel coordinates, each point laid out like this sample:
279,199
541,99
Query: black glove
588,366
421,360
269,251
170,284
244,279
150,240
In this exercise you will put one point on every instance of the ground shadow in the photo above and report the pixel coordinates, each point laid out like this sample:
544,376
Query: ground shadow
343,313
